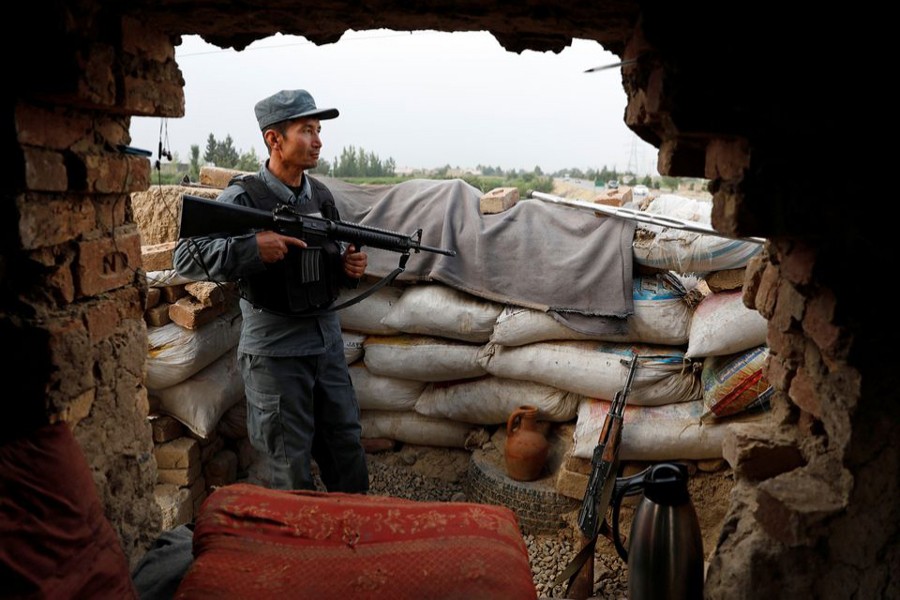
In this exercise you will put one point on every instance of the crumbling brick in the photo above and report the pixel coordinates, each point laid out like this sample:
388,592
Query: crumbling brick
190,314
179,453
158,257
498,200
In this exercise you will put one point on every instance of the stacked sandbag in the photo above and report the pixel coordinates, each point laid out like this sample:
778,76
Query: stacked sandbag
724,339
395,366
439,353
434,365
193,382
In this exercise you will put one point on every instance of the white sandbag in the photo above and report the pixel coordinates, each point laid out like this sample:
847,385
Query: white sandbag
166,278
490,400
374,392
653,433
685,251
661,316
175,353
353,346
365,316
442,311
599,369
201,400
735,383
412,428
722,324
422,358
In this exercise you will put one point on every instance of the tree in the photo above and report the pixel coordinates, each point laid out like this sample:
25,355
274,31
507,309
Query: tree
323,168
222,154
211,145
194,171
248,161
357,162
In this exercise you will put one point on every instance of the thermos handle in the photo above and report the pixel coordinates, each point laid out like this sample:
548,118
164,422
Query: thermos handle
625,486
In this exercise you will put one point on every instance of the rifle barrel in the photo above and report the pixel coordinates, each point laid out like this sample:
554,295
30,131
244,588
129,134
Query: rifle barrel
643,217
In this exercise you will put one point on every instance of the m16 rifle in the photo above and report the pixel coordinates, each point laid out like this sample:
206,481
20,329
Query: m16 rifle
203,217
579,574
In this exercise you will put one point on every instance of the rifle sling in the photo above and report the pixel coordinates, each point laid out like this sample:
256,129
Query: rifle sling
381,283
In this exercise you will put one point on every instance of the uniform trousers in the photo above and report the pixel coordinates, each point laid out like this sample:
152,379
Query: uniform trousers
304,408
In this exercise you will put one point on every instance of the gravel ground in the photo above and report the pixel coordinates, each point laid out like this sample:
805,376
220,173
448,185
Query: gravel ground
406,475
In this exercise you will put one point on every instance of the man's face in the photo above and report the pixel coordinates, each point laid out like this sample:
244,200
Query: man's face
301,144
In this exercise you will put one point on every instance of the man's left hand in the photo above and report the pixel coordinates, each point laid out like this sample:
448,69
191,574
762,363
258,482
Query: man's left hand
355,263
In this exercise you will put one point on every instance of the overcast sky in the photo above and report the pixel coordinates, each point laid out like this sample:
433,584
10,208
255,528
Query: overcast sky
425,99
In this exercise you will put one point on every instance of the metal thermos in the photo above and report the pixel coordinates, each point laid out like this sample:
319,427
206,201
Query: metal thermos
665,548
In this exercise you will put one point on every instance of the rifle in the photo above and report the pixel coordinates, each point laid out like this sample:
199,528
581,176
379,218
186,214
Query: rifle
592,517
642,217
201,216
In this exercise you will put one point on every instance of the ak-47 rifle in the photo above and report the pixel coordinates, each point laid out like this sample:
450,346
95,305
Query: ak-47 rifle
592,517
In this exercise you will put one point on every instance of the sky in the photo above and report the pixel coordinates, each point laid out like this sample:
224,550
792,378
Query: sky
425,99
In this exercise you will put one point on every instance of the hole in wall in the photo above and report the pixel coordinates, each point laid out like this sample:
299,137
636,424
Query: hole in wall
425,99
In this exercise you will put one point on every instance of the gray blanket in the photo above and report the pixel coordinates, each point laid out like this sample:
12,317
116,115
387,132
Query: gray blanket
535,255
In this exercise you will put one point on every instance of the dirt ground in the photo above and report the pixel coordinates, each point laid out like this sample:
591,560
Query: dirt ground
709,485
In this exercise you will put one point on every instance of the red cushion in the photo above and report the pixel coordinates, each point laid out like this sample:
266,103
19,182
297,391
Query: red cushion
252,542
55,541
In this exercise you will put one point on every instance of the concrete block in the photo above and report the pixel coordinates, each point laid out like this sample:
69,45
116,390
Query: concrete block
499,199
158,315
190,314
175,504
179,453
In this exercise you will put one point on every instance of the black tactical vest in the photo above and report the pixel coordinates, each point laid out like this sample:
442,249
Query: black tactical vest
308,279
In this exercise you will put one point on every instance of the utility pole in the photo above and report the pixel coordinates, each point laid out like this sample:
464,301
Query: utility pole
632,157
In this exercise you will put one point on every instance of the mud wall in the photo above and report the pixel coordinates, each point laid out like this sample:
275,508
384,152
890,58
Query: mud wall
738,98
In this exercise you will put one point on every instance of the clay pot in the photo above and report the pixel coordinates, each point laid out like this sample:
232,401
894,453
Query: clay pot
526,446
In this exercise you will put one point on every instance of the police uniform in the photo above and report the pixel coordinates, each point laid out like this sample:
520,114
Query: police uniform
300,400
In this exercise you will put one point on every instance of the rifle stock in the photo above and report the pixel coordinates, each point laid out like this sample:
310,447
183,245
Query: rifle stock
201,216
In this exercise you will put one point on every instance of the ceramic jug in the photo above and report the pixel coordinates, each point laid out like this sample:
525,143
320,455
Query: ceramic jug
526,446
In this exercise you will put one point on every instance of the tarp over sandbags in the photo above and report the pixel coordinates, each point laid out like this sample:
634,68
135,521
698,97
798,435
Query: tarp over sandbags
599,369
490,247
176,353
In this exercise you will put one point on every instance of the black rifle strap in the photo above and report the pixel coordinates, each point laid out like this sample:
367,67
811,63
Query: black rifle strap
383,282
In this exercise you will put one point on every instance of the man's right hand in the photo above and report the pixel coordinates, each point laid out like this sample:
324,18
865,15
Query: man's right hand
274,246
